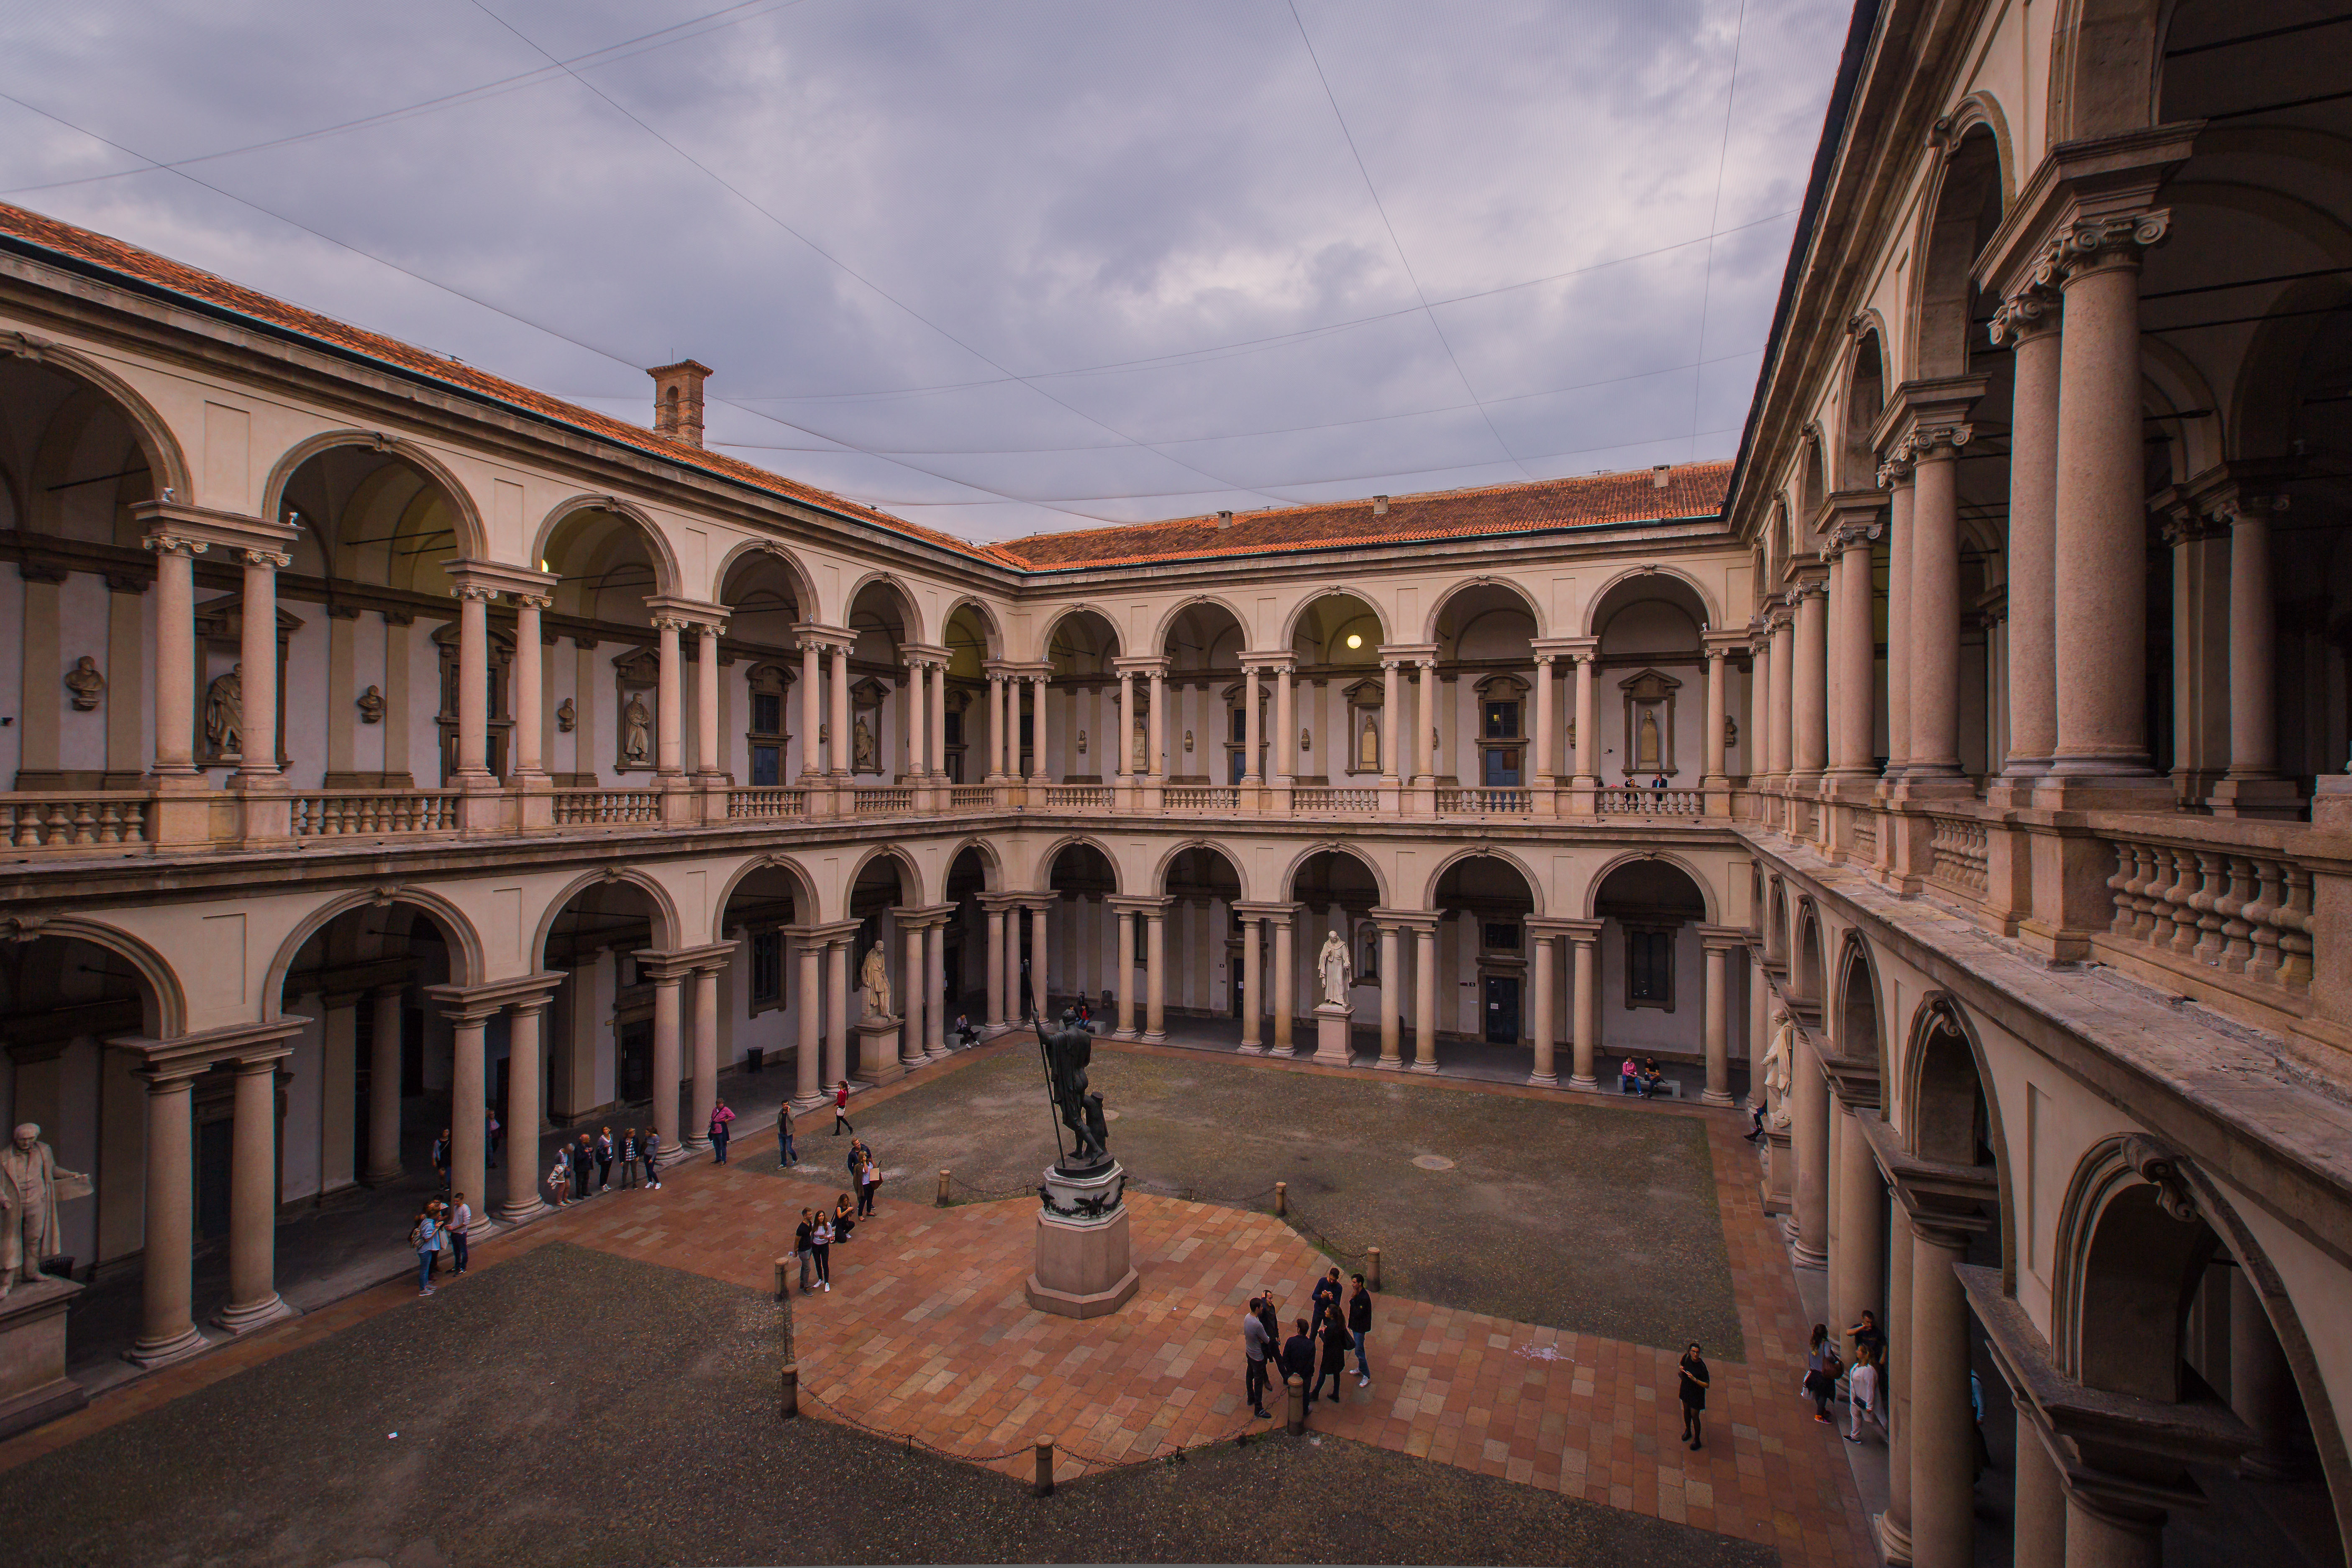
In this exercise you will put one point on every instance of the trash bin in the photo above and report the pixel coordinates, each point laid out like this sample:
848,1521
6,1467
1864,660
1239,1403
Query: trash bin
755,1058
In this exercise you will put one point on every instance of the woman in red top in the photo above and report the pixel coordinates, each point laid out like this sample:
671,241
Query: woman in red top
841,1108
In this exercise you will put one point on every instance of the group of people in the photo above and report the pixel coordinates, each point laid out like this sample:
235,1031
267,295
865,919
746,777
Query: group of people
820,1228
590,1160
1642,1078
1317,1351
441,1229
1824,1367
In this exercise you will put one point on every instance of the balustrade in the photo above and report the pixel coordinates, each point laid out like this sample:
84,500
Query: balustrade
759,801
1485,802
972,797
883,801
606,807
1651,802
1201,798
2240,912
1078,797
344,812
72,821
1346,800
1957,845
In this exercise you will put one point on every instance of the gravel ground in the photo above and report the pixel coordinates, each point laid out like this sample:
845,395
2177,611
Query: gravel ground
1598,1218
569,1407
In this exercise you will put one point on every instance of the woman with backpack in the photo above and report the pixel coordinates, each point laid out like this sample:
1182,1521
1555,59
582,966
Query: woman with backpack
1822,1369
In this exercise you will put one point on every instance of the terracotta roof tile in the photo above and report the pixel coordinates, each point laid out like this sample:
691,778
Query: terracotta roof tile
1692,490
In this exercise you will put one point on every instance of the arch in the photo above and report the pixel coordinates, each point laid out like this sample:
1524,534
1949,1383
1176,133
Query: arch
910,614
991,863
457,932
910,877
2129,1249
1959,212
1044,648
804,892
1590,626
1175,612
665,921
1591,899
473,538
1479,852
1042,874
1858,1005
1166,861
1315,596
666,573
1453,591
1928,1087
2105,59
1332,846
161,981
803,585
1808,970
1981,108
993,632
1863,399
164,457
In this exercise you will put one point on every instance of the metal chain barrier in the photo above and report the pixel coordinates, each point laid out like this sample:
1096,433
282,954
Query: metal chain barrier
910,1443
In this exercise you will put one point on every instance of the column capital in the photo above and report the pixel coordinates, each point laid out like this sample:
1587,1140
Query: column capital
1266,661
1140,664
1001,903
695,612
825,934
1935,443
1140,903
1562,925
925,653
486,580
668,965
825,638
922,917
276,560
1280,910
198,526
1403,921
1722,938
2104,240
1722,645
2029,313
469,1004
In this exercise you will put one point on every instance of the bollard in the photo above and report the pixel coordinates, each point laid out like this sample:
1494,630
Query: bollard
1281,1198
789,1393
783,1278
1372,1267
1044,1483
1298,1387
943,1189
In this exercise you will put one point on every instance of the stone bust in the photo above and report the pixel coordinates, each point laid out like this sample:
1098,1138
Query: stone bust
85,683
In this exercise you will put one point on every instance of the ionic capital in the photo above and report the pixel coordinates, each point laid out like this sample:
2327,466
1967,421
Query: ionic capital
274,560
531,601
1854,535
672,623
175,545
1894,468
478,593
2114,239
1932,443
2031,311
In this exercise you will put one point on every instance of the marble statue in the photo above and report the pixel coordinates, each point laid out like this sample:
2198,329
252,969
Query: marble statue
1776,1078
1331,968
1142,763
873,978
636,732
225,714
86,684
31,1185
862,754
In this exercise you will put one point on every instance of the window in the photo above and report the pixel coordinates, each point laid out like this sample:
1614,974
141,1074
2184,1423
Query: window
766,968
768,712
1502,721
1501,936
1240,726
1650,967
955,726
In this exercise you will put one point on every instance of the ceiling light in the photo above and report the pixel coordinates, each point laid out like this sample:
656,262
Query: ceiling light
1355,639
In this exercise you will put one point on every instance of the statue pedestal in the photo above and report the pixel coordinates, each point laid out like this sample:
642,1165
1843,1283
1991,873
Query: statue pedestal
1334,1026
34,1387
1082,1249
877,1051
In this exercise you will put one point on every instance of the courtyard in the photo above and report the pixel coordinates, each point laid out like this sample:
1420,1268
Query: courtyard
602,1388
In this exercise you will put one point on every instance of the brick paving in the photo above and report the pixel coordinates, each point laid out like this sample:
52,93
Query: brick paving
926,1332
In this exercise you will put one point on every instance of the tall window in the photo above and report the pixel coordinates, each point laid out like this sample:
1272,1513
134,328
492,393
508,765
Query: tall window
1498,733
766,968
1650,967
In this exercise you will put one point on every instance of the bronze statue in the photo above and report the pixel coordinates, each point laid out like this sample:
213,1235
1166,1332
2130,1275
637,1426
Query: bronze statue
1067,1051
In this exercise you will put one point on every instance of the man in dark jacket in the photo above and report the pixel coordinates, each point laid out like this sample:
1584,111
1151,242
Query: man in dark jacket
1298,1354
1359,1328
1255,1346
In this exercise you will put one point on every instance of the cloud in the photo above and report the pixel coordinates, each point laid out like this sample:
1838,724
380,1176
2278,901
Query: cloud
1003,267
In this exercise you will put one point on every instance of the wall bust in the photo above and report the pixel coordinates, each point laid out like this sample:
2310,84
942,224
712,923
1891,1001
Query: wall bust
85,684
370,705
567,717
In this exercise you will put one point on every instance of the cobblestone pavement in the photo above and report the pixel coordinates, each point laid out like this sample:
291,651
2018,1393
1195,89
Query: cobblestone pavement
927,1335
1544,1208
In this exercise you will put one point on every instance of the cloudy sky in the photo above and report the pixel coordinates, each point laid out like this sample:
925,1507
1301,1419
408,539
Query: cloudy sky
997,268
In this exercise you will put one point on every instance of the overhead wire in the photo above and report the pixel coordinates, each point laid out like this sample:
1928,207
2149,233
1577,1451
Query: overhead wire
1715,216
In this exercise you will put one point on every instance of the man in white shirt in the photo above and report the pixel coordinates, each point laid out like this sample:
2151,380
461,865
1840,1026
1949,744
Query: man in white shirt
461,1225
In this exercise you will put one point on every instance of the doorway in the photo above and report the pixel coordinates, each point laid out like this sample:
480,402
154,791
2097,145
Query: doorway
1502,1009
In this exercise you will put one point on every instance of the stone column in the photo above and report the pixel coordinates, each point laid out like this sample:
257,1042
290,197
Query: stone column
1425,998
1895,476
1157,758
1716,1030
935,978
1942,1436
1285,728
2038,1517
1809,754
1783,695
2105,1532
1391,709
525,1022
1545,768
940,719
669,701
808,1008
530,706
384,1092
1894,1525
1547,1031
1038,686
2253,787
812,710
1251,724
1934,607
1759,698
1855,656
837,1011
1124,969
910,710
995,969
706,1056
253,1197
176,657
1155,975
1424,722
473,683
1285,980
667,1023
258,647
912,1003
1122,745
708,762
2100,607
468,1129
167,1327
1718,711
1039,970
2031,317
1586,977
1391,1000
1252,999
1811,1133
1855,1284
1587,722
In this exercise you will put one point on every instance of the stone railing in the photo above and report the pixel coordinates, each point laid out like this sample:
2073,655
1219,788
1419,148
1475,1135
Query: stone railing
94,821
1864,832
755,801
972,797
1485,802
1078,797
886,800
1201,798
606,807
1338,800
1651,802
1957,845
344,812
2241,912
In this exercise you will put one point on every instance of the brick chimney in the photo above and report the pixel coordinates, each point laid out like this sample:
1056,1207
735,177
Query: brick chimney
1659,475
1379,506
677,400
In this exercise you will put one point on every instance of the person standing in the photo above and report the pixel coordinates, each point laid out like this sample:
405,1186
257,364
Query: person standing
1822,1369
821,1243
1254,1346
425,1236
1360,1329
801,1249
605,1149
1693,1393
841,1111
720,1119
869,1182
1298,1358
628,1158
785,1152
559,1180
491,1131
1334,1364
583,1165
441,1156
653,1157
460,1228
1266,1315
1861,1394
1327,1290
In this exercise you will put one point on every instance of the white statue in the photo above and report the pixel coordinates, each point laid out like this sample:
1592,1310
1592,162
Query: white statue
1776,1078
862,757
636,731
31,1185
225,714
1332,966
873,976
